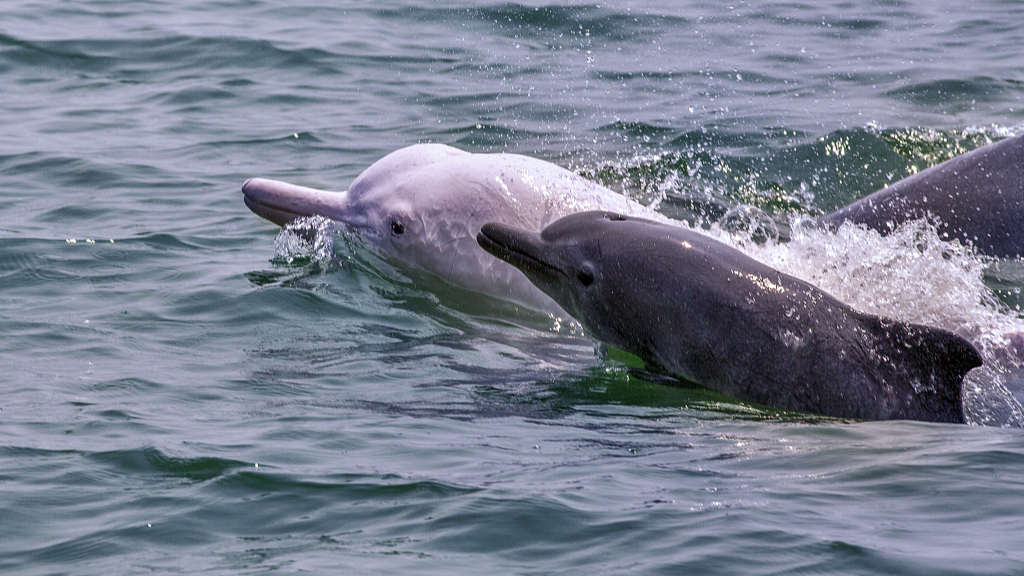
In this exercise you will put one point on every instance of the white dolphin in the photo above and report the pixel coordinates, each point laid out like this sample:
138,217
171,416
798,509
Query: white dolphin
424,205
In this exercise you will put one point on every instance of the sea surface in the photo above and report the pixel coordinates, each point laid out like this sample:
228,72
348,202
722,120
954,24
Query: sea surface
184,391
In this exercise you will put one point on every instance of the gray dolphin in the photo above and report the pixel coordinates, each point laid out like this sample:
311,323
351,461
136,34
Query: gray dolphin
976,197
700,310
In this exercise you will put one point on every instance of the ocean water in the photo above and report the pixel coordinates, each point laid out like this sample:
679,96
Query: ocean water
182,391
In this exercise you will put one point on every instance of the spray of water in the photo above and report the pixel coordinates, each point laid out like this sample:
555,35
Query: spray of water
310,238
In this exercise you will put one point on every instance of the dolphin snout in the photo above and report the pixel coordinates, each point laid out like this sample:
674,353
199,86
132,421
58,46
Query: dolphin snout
281,202
521,248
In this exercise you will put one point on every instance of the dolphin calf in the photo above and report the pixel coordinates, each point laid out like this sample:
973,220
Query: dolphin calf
976,197
700,310
424,204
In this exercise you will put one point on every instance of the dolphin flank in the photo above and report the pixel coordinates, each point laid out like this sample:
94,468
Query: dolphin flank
700,310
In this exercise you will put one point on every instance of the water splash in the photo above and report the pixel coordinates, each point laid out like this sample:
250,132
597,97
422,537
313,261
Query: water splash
752,222
986,400
306,239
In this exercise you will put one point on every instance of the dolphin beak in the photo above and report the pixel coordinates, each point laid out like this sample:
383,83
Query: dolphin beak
281,202
520,248
534,257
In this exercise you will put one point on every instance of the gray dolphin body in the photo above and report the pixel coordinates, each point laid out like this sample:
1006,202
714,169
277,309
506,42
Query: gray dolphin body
976,197
700,310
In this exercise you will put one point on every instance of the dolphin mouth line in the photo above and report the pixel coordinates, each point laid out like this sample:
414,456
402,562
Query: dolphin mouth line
260,207
281,202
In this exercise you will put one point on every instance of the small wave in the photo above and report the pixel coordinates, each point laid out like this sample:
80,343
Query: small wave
489,136
191,468
924,147
544,22
954,94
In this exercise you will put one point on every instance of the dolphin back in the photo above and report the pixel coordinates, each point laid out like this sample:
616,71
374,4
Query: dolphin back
924,366
977,198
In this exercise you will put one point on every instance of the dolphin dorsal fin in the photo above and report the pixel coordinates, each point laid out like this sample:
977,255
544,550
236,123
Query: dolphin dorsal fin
960,356
932,361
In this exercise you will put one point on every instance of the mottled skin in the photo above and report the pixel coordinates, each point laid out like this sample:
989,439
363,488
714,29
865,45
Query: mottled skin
976,197
698,309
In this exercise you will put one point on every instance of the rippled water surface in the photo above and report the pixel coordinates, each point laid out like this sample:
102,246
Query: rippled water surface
179,393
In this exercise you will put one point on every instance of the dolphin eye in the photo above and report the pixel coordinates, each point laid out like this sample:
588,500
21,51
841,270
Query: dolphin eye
585,275
397,227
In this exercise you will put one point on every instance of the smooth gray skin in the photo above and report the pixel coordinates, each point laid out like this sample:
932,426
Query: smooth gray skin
976,197
700,310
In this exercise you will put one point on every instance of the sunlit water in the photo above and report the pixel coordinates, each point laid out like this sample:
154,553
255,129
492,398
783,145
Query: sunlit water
184,390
